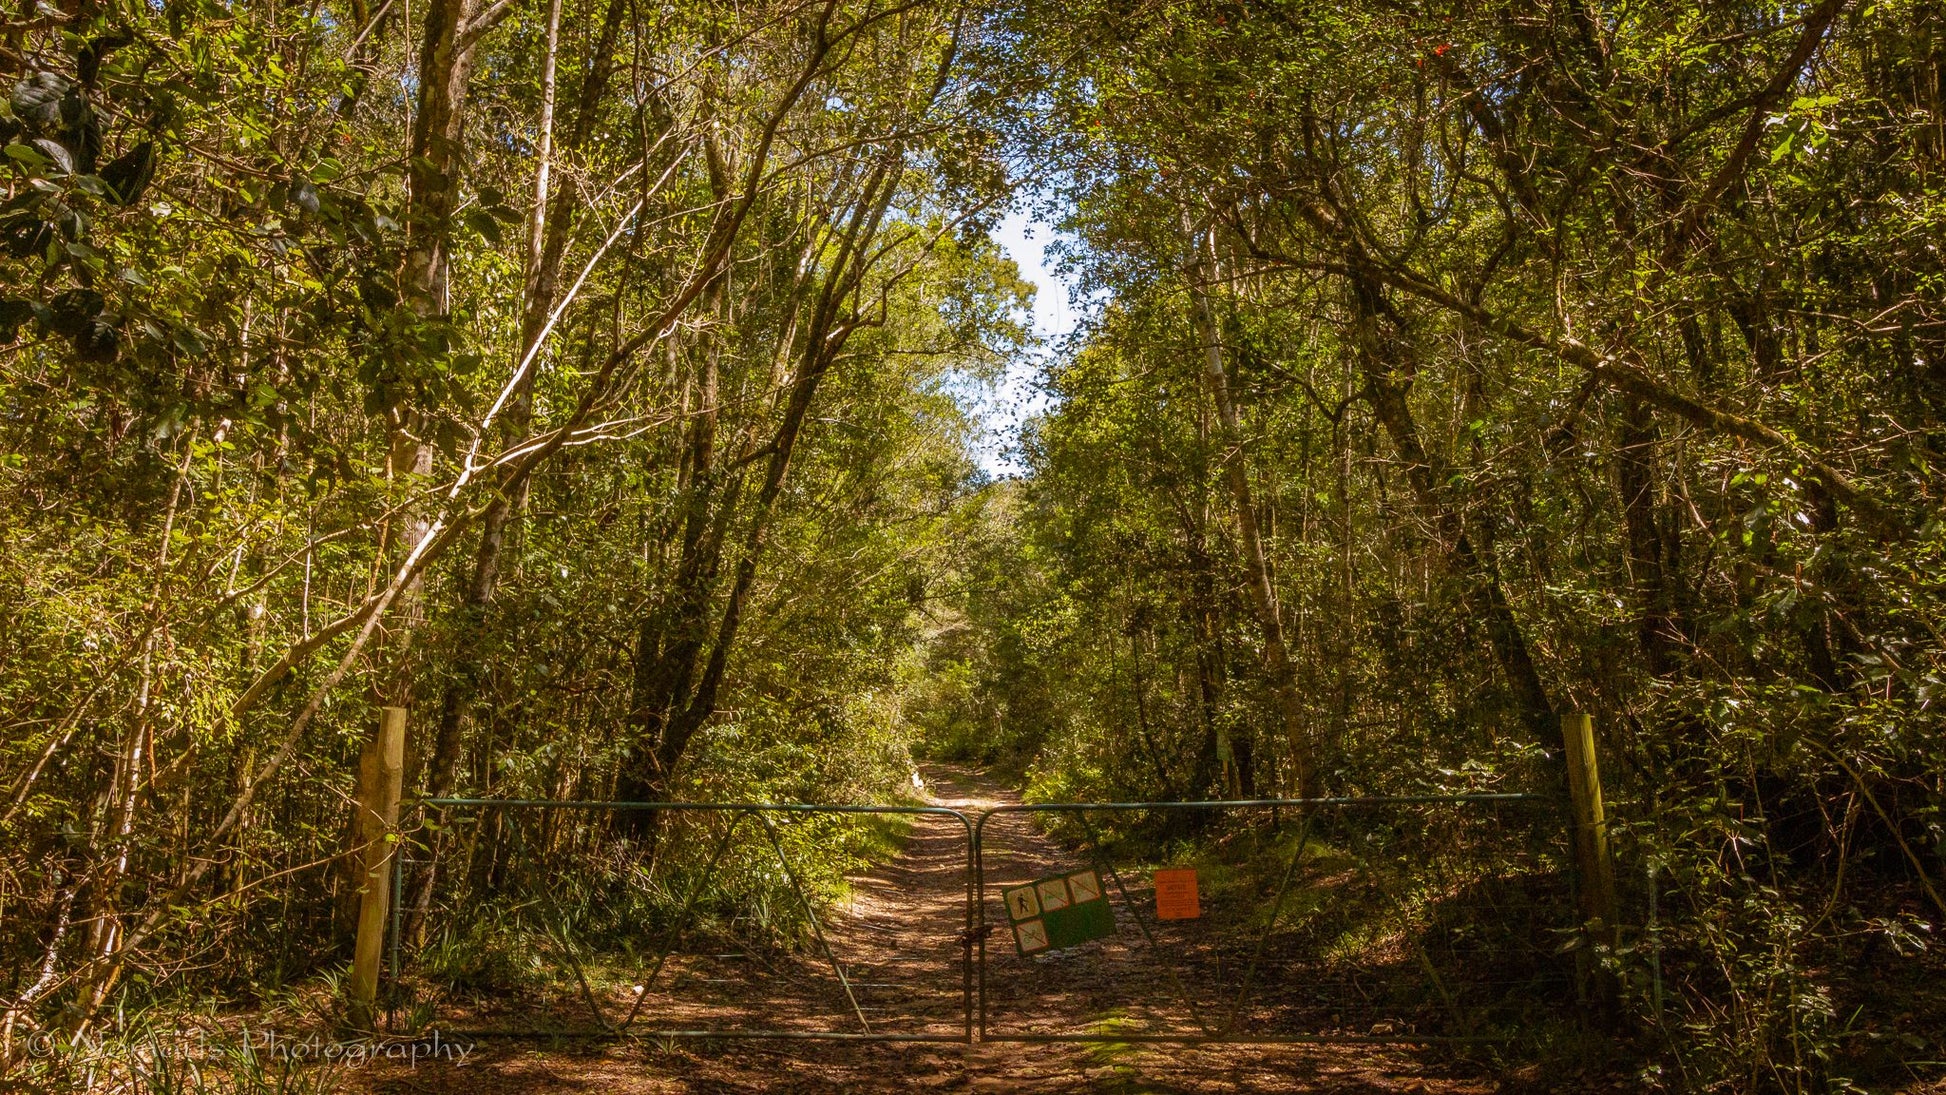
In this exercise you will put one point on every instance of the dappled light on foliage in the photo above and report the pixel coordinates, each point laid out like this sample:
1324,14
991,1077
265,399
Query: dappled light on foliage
590,379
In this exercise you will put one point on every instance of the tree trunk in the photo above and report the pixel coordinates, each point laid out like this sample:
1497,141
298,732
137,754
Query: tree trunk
438,134
1387,368
547,238
1653,568
1277,662
674,694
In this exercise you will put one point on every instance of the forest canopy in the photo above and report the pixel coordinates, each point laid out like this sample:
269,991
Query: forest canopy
590,379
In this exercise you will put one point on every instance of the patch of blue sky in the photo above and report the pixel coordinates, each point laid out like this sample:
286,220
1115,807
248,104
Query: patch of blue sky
1002,409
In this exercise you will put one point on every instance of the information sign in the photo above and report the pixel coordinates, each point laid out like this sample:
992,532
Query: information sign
1175,894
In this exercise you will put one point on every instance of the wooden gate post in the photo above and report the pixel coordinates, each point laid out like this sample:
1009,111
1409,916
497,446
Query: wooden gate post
1596,869
381,774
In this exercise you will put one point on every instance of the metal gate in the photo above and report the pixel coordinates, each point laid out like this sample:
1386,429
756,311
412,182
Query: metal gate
1431,918
1391,919
522,825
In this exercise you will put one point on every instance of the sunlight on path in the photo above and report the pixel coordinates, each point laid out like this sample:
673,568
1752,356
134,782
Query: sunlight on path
962,789
900,939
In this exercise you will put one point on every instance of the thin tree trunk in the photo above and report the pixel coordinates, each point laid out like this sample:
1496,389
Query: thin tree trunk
669,709
495,523
446,49
1660,628
546,246
1387,368
1263,596
438,130
549,230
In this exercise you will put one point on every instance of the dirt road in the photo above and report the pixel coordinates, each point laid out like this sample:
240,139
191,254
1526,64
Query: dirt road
898,940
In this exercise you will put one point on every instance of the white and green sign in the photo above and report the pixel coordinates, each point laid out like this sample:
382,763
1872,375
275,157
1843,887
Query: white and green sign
1060,911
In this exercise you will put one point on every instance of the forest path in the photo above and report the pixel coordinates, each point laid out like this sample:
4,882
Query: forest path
897,938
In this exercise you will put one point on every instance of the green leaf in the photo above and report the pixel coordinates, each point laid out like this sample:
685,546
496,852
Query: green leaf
481,221
56,153
27,155
40,98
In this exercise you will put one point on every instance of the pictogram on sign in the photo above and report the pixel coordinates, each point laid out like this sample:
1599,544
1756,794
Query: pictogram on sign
1022,904
1030,936
1053,893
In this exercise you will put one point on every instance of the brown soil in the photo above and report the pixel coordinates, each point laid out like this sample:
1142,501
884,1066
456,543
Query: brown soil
899,941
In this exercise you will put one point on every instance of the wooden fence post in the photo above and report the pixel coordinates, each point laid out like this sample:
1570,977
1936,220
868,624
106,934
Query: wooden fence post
1596,868
381,773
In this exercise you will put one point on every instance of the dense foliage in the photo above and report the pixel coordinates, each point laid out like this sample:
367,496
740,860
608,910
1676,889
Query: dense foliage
542,369
586,377
1464,366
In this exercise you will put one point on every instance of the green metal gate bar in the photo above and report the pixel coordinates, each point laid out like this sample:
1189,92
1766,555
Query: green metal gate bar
1305,808
762,813
974,959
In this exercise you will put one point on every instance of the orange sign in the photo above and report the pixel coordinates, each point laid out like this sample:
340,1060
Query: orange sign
1175,894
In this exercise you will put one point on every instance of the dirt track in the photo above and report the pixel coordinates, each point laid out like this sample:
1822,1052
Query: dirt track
898,940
